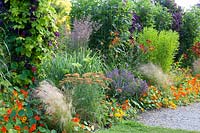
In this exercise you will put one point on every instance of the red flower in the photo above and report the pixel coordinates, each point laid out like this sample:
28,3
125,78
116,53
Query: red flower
17,127
9,111
25,93
33,79
33,128
3,129
76,120
42,125
185,56
142,47
6,118
148,41
25,86
37,118
33,69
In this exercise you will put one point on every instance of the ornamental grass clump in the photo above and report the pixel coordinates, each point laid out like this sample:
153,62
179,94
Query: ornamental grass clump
58,104
155,74
81,32
125,85
196,66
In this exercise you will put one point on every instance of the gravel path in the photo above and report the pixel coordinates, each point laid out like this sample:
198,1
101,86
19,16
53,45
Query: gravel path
185,117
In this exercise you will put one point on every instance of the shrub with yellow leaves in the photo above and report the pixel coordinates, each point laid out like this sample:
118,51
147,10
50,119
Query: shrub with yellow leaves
63,8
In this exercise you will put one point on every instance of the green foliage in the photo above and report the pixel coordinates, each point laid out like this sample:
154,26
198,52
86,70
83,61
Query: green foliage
54,67
165,45
88,93
29,28
153,15
145,9
113,15
19,112
163,19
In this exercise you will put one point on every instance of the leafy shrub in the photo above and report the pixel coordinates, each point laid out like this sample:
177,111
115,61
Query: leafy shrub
88,92
54,67
125,85
163,19
29,28
175,11
145,9
189,33
63,8
152,15
164,45
113,15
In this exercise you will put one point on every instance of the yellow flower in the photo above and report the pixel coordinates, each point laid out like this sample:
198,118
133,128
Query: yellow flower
23,119
120,113
172,105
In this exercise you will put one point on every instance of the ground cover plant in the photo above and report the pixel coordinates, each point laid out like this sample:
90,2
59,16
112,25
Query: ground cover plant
86,65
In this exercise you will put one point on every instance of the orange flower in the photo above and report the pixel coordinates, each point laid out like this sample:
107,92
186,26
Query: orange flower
144,94
15,93
3,129
6,118
82,126
124,107
115,40
26,128
33,128
113,109
148,41
19,105
76,120
116,33
17,127
9,111
37,118
126,101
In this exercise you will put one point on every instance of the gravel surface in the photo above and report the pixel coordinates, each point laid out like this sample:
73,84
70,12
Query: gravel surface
185,117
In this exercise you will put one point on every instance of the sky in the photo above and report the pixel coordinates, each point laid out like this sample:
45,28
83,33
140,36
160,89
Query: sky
187,3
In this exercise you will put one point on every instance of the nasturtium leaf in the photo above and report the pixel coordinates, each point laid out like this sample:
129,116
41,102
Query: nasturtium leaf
29,113
12,131
13,114
43,130
9,126
53,131
21,113
18,122
32,121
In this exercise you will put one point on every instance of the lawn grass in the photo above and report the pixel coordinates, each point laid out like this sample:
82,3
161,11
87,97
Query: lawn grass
135,127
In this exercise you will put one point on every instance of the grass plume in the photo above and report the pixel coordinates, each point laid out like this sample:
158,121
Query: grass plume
155,74
58,105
